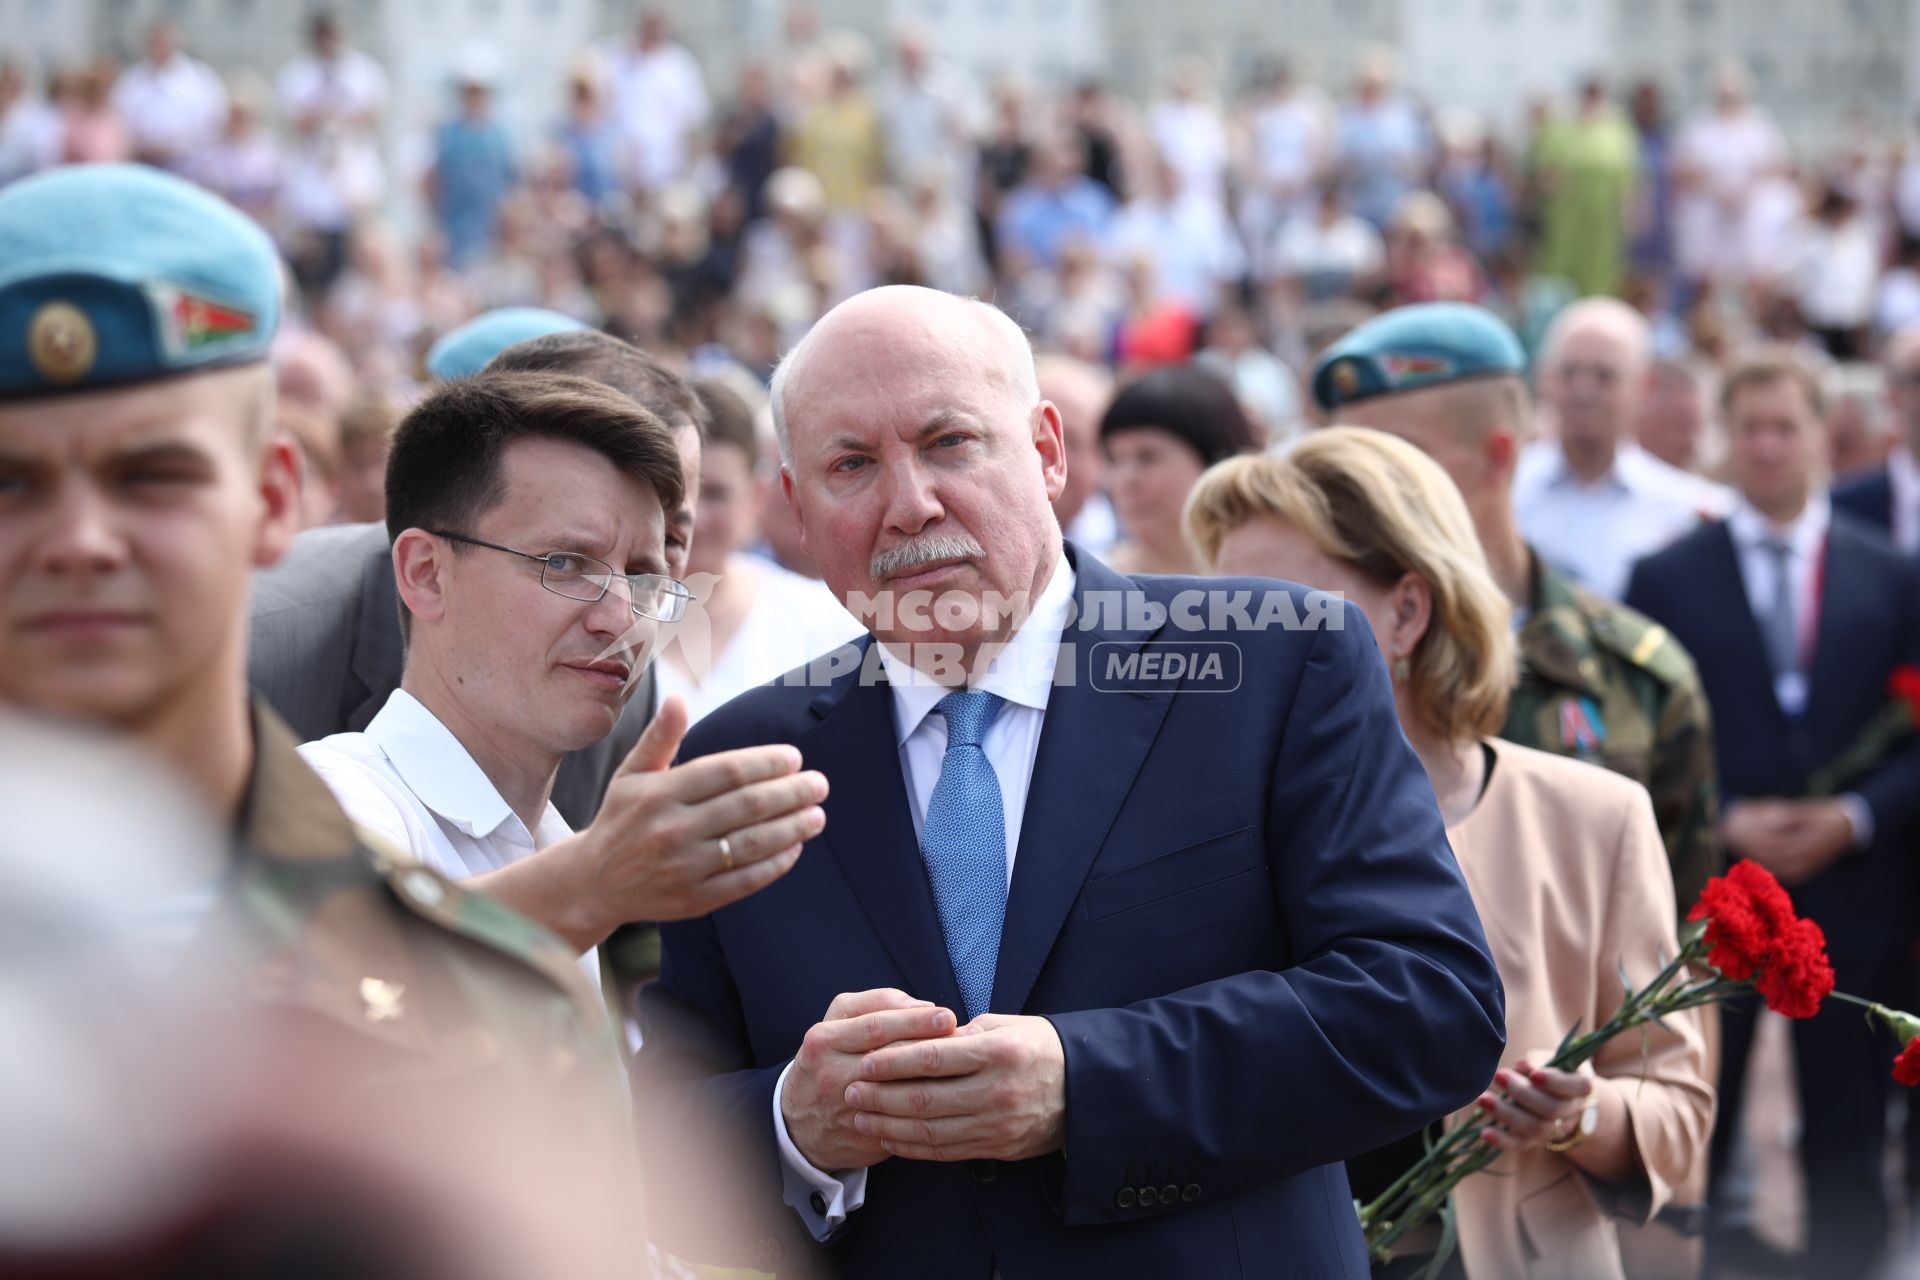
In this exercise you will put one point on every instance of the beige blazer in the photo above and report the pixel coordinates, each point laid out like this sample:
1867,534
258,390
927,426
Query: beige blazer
1567,868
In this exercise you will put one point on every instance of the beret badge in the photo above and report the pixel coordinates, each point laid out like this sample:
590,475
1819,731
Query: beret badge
61,343
1346,378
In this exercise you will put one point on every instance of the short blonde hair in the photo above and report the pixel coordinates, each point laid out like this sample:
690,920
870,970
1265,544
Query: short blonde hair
1374,502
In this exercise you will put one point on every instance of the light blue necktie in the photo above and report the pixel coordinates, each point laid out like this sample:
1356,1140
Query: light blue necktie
965,847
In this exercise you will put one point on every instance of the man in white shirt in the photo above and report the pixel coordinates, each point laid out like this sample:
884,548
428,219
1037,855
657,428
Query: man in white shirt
660,101
172,104
1185,233
1721,158
931,112
527,517
1593,501
331,97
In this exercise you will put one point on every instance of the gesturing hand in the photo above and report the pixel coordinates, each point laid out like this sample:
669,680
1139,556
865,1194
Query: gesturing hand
993,1090
657,835
654,850
813,1099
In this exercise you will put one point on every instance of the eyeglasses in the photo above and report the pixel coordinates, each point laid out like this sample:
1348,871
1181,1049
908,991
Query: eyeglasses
578,577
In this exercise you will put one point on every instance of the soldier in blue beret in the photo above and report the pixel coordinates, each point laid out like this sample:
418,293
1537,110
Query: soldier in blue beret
465,351
1598,681
140,484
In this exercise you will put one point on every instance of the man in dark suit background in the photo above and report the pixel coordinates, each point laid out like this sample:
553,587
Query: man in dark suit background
325,647
1888,496
1796,614
1089,974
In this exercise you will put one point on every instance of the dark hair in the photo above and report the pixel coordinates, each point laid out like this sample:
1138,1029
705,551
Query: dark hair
445,467
1765,367
1193,404
729,417
603,358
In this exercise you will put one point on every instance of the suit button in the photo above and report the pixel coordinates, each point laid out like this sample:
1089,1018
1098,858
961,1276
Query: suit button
1169,1194
819,1203
1127,1198
1190,1192
984,1172
1149,1196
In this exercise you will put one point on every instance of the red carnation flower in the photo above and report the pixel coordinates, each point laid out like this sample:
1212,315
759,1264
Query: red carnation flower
1906,1067
1747,912
1903,683
1770,901
1797,976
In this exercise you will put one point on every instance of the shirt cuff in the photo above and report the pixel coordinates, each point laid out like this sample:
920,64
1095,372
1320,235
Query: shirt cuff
823,1200
1860,815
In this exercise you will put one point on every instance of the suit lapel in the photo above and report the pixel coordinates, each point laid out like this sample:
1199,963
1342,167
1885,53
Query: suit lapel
1881,502
870,829
1724,592
1843,577
377,654
1092,745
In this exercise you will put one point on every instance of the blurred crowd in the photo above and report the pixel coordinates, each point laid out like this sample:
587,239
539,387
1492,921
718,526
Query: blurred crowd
1241,225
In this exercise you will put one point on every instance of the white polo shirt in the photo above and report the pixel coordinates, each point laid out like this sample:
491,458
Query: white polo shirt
408,780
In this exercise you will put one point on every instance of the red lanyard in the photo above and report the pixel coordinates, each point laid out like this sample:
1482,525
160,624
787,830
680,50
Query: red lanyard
1810,615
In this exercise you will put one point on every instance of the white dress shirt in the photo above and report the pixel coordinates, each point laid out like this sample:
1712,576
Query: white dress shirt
1805,537
408,780
173,108
335,171
1022,675
1593,532
1903,475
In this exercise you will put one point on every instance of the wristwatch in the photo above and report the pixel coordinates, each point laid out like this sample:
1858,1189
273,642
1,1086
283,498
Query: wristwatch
1583,1128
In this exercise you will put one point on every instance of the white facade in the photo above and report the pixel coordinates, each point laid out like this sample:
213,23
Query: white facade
1815,61
43,34
1494,57
1039,41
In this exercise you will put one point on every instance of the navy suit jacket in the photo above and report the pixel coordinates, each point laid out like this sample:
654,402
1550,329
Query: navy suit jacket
1238,909
1869,497
1869,623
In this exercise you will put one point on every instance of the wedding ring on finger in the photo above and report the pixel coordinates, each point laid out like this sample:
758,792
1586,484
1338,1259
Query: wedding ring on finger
726,854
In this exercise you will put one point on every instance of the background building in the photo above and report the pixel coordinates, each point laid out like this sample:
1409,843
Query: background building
1820,66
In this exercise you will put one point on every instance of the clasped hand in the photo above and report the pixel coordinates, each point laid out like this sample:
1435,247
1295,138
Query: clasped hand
1794,839
884,1074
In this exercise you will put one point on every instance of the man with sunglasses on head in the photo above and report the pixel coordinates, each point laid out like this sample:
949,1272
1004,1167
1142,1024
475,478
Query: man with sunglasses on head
528,518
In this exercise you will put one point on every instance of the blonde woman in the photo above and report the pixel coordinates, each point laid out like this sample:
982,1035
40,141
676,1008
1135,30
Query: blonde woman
1564,859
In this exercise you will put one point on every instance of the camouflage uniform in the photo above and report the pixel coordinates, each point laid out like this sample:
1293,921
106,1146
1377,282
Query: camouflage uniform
436,982
1602,683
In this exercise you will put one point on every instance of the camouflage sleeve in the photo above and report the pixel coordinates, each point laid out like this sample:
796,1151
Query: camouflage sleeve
1683,781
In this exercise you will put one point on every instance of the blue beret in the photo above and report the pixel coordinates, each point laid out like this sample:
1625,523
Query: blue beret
1425,345
467,350
115,274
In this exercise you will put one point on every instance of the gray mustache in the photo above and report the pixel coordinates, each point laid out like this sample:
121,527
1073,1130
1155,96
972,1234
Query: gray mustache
924,550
